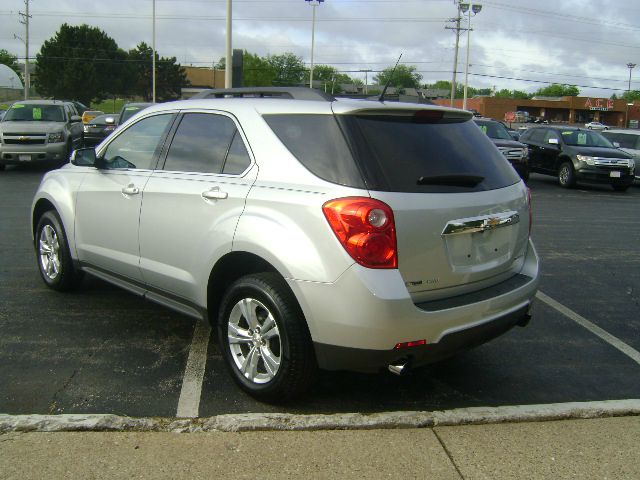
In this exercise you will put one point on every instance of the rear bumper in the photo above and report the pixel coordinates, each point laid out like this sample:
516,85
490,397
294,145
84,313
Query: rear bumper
331,357
356,322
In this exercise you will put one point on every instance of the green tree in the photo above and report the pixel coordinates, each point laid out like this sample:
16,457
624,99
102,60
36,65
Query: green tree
81,63
257,71
631,96
288,69
330,77
170,76
505,93
405,76
10,61
557,90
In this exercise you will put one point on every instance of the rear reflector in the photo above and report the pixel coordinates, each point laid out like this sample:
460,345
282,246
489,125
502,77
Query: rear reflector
415,343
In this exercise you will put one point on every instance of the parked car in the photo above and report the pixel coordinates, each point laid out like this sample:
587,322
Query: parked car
340,234
89,115
574,154
99,128
39,131
130,109
516,152
596,126
628,141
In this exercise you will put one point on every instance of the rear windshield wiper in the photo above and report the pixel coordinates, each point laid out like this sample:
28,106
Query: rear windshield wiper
469,181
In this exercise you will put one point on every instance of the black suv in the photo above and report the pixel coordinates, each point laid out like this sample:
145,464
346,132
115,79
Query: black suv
575,154
516,152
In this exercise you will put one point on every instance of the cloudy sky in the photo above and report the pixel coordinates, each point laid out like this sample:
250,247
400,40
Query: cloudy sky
515,44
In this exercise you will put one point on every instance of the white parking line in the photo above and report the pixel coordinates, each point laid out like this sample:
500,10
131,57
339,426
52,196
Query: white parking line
604,335
189,402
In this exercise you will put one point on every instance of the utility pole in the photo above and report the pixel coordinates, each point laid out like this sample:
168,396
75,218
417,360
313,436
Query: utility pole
630,66
228,64
25,21
458,29
366,79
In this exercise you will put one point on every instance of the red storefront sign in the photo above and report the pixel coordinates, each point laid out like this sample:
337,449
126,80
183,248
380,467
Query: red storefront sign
600,104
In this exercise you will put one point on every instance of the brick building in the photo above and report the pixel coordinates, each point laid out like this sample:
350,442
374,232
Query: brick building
562,109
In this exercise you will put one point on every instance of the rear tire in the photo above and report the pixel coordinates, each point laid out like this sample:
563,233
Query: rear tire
52,253
264,338
566,175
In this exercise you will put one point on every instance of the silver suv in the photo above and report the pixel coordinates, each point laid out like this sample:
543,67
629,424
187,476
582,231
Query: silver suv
37,131
338,234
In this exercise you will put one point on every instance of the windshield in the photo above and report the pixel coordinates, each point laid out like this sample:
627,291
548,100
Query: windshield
32,112
585,138
494,130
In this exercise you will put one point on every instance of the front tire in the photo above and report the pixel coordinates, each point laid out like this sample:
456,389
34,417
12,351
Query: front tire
264,338
52,253
566,175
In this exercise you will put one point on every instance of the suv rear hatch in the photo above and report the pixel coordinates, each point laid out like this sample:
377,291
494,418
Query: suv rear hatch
461,211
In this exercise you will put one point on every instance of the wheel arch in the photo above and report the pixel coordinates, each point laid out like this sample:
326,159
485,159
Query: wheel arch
227,270
39,208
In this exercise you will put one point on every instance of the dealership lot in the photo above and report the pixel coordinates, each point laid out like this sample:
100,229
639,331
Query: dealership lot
102,350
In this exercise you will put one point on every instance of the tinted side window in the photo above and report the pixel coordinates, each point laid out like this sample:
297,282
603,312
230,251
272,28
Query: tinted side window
318,143
537,135
549,134
139,144
200,144
238,159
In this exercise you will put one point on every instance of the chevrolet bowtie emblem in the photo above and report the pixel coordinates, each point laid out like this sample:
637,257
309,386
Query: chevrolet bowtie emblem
24,139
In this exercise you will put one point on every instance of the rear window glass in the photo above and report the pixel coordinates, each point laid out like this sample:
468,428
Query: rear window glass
395,152
626,140
318,143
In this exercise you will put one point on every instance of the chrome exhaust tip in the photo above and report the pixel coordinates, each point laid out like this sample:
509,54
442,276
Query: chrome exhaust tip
399,367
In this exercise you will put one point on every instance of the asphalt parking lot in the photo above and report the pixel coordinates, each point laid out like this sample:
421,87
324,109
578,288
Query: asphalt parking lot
102,350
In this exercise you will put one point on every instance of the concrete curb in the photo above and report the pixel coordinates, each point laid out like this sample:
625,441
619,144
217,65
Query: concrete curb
341,421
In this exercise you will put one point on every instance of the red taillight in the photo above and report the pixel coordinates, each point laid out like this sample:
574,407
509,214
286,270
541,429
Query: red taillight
530,209
366,229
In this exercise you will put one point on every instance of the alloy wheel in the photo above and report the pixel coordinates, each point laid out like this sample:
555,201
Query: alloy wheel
49,252
254,340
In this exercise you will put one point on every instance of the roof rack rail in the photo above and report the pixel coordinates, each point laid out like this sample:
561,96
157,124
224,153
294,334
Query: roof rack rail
294,93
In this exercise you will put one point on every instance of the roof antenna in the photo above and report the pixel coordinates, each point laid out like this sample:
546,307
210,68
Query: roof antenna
384,90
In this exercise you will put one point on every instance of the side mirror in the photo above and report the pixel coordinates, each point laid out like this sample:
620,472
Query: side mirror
110,120
616,144
84,157
75,119
553,141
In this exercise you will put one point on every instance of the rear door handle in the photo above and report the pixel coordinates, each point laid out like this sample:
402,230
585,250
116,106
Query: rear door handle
130,189
214,194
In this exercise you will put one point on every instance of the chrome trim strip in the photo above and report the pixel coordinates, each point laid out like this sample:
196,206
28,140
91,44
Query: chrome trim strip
481,224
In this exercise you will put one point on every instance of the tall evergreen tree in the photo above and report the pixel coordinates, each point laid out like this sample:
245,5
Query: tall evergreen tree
81,63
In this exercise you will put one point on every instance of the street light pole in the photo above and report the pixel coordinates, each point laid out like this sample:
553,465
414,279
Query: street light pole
475,9
314,4
630,66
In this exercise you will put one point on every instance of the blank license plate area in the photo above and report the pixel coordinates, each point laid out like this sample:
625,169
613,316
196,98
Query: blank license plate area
474,252
24,158
614,174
